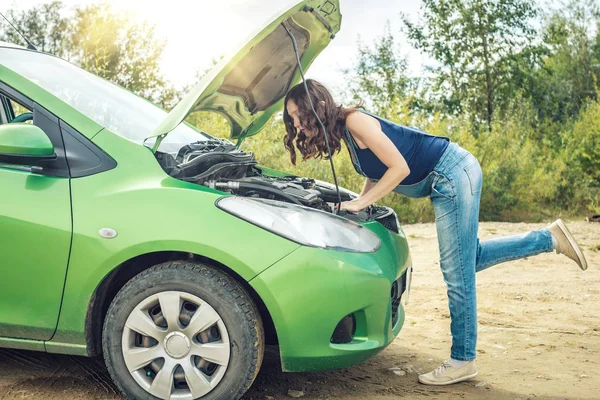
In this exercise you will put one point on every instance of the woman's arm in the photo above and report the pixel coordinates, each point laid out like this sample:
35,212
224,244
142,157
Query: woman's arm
369,184
368,131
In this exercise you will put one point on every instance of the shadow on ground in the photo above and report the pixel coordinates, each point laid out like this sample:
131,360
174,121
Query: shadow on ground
25,374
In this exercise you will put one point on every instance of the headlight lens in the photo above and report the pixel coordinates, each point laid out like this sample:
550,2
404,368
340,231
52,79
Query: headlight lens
303,225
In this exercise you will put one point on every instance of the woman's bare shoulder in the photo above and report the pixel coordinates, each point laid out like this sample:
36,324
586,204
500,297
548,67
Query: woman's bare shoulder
360,123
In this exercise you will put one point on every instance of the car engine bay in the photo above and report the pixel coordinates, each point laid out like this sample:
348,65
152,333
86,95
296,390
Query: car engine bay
220,165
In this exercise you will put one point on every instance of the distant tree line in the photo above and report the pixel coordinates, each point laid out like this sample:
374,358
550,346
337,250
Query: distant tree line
513,81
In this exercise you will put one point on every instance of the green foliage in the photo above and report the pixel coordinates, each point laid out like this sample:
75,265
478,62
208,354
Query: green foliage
580,183
583,144
519,173
571,63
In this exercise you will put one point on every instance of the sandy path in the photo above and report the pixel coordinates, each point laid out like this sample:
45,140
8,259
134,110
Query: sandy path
539,337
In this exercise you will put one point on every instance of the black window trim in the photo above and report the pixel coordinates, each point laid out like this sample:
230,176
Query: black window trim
63,170
4,105
20,98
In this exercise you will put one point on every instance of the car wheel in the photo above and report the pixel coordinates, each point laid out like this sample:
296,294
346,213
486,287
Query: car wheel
182,330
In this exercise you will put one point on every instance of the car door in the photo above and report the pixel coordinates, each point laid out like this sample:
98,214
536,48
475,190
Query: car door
35,229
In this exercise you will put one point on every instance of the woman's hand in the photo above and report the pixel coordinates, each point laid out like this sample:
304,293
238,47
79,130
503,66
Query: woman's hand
355,205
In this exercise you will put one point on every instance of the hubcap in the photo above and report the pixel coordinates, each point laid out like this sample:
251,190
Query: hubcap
176,346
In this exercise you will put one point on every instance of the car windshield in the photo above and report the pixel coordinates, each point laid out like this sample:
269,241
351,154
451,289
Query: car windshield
111,106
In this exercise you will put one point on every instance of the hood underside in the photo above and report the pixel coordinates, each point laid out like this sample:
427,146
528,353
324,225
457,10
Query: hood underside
249,86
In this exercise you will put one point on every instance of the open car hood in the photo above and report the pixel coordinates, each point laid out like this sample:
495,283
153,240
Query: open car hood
249,86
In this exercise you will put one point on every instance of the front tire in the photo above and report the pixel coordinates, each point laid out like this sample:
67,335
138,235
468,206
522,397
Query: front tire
183,330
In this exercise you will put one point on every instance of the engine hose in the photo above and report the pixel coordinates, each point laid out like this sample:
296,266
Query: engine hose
252,186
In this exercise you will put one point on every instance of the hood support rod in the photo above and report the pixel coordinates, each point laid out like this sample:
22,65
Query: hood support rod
337,188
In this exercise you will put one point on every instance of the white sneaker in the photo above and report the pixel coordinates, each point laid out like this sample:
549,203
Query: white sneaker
566,243
446,374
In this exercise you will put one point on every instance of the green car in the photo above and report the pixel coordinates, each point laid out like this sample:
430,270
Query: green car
126,232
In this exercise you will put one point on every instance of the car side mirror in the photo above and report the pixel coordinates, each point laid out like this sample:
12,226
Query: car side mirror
24,144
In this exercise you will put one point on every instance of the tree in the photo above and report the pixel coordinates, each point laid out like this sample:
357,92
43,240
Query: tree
473,43
379,77
99,39
109,44
571,65
44,25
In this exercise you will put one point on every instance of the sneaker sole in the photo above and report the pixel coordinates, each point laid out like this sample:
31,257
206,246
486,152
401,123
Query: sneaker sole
573,243
457,380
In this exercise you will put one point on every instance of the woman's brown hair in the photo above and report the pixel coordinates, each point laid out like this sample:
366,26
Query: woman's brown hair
333,117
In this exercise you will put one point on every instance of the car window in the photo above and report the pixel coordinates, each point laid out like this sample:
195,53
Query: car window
13,111
20,113
109,105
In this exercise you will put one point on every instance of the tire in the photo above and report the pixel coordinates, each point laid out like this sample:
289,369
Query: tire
236,339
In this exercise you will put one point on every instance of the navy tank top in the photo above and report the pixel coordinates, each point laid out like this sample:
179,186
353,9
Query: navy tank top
421,151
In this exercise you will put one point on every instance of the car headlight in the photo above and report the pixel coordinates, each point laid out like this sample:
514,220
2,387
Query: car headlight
302,225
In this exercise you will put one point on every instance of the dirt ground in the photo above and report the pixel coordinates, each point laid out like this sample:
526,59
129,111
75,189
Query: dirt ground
539,337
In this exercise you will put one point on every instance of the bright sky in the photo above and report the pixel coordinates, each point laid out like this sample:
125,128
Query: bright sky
199,31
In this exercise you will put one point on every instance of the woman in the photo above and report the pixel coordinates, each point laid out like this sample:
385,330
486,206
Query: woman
413,163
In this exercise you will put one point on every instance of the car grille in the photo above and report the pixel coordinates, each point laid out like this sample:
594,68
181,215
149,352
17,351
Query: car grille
398,288
389,220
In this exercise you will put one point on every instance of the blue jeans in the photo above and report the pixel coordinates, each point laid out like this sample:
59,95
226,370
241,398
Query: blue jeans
454,187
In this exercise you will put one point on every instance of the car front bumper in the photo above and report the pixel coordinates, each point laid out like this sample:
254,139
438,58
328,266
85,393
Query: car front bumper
310,291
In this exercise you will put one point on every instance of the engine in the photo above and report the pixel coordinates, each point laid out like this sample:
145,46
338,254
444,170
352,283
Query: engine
220,165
